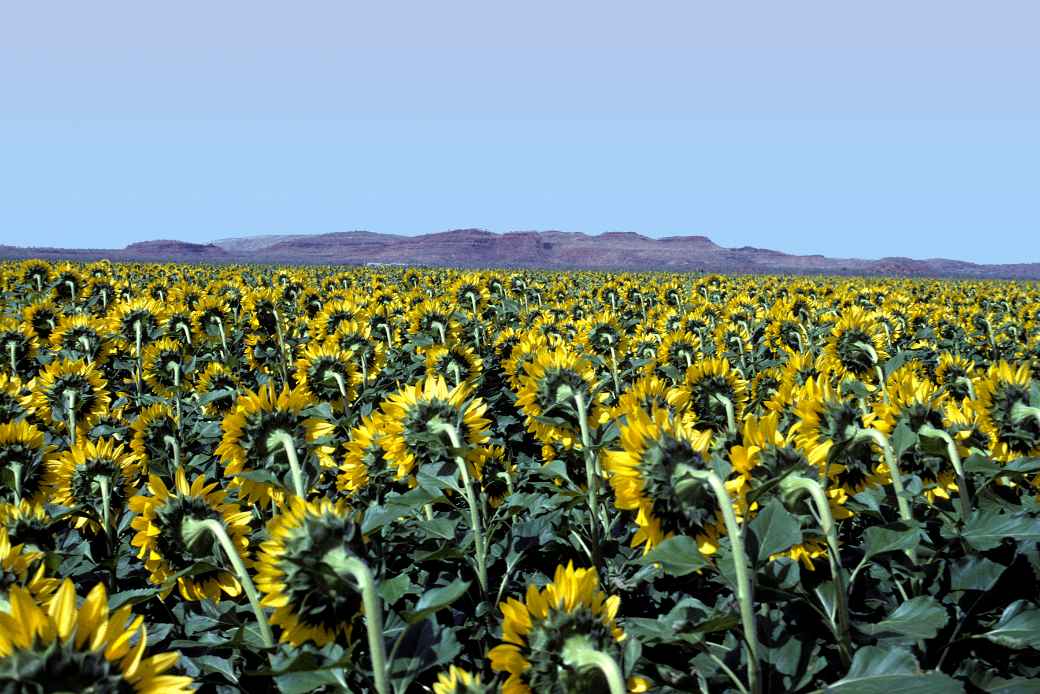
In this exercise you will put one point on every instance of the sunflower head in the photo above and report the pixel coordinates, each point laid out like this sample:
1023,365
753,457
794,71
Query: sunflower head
535,632
166,521
303,571
257,433
415,419
24,459
327,374
28,524
646,474
218,387
92,474
365,472
1006,400
459,681
553,383
712,389
66,386
856,345
55,646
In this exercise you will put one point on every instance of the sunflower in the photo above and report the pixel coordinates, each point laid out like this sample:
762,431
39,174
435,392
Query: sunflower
139,318
213,320
68,285
55,647
362,345
535,631
67,386
162,366
494,472
28,524
159,519
855,347
331,316
679,350
327,374
82,476
82,337
414,416
433,320
552,383
253,441
643,477
155,433
218,387
705,390
301,573
365,463
25,567
455,362
42,317
24,459
458,681
765,456
1005,402
17,349
830,420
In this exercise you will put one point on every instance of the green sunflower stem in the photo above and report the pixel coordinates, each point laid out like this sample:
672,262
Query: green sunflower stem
283,361
218,532
591,476
474,509
176,448
72,289
389,340
176,369
745,591
187,332
614,373
578,653
16,482
830,530
454,369
373,620
223,336
11,350
138,339
340,383
869,349
289,445
731,418
70,406
955,460
897,479
968,385
106,499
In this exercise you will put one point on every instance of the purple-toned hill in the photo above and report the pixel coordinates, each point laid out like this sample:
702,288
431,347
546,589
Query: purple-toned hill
525,249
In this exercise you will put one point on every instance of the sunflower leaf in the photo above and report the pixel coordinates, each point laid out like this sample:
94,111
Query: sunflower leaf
773,530
988,528
1018,627
677,556
437,599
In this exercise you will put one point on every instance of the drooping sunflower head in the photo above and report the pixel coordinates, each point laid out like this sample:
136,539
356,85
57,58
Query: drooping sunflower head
455,362
42,317
535,631
364,469
24,459
361,345
257,434
327,374
855,346
213,319
1007,404
218,387
416,417
494,471
333,314
165,521
22,565
28,524
433,320
82,337
303,571
602,333
55,646
137,320
17,349
91,475
656,447
155,434
66,386
554,382
679,350
831,420
714,391
163,366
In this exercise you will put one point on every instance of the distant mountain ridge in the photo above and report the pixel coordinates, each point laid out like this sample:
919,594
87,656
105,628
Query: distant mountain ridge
477,248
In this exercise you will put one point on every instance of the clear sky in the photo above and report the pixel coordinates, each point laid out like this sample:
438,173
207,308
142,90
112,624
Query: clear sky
849,129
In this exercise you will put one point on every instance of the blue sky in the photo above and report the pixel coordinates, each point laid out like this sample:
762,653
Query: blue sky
867,129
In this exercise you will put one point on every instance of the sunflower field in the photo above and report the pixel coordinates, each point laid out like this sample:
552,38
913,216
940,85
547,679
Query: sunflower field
426,480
